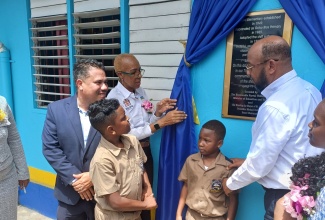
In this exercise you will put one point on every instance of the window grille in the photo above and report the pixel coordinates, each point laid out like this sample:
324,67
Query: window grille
51,59
97,36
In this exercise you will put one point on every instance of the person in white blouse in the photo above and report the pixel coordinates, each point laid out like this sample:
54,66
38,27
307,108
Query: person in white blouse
144,119
279,134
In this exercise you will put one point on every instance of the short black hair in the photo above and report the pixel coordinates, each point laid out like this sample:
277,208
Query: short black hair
81,68
102,113
276,50
217,127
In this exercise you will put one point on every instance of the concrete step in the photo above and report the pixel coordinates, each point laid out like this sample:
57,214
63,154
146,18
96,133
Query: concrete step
28,214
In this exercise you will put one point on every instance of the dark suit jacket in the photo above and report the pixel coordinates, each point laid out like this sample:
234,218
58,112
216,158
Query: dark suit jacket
63,146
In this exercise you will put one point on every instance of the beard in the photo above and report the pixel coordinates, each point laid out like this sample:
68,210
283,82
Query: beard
261,82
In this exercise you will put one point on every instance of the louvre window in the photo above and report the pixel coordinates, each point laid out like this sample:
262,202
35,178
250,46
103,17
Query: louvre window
97,36
51,59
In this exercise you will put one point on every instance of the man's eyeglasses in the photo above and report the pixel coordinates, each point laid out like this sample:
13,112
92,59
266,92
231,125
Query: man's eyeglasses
250,66
134,72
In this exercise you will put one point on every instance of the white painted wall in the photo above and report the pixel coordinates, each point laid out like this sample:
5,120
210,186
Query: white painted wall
94,5
140,2
42,8
156,27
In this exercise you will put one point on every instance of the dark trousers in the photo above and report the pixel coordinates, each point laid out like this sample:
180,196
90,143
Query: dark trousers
271,196
83,210
145,214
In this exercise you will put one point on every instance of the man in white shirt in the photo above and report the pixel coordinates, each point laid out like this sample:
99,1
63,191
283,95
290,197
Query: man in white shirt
280,131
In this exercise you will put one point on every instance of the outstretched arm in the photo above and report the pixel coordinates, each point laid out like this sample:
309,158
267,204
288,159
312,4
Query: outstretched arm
172,117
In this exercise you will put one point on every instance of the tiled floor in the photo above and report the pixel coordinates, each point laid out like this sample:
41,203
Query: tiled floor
28,214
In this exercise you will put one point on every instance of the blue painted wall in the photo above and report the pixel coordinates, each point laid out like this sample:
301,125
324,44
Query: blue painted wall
207,82
14,33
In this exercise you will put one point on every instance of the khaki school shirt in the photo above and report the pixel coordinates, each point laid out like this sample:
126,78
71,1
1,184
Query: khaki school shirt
205,194
114,169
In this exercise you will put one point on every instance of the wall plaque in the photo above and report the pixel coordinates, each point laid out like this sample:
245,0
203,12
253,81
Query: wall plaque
240,98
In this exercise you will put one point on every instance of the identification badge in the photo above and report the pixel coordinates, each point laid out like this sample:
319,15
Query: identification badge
127,104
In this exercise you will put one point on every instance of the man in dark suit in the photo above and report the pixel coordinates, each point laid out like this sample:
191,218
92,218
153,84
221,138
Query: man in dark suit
69,142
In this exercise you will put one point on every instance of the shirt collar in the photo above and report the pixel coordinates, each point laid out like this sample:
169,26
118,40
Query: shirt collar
277,84
116,150
82,112
125,93
220,159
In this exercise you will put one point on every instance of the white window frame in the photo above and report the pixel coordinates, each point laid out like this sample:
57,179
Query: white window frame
51,80
92,29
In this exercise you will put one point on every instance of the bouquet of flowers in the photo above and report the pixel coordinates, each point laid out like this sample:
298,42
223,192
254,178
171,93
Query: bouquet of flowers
148,106
307,180
299,206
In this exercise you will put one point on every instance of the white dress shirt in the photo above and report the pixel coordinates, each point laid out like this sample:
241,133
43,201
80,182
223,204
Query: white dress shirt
85,124
140,119
279,134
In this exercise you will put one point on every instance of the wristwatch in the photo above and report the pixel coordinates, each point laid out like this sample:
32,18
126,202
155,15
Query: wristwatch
157,127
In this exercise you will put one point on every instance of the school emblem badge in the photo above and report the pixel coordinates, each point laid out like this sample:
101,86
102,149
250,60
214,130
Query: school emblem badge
216,186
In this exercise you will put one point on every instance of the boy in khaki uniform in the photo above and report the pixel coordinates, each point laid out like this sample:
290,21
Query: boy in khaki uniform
202,175
121,184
